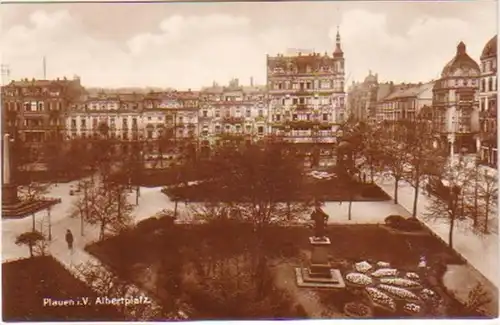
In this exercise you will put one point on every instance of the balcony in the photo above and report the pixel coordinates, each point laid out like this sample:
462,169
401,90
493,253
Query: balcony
233,120
301,124
302,107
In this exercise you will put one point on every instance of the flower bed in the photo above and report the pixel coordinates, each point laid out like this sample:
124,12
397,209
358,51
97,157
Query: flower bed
382,264
362,267
357,310
358,279
384,272
412,308
399,293
427,294
381,299
412,276
400,282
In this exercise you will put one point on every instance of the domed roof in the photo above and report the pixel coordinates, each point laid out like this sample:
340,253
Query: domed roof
371,78
461,65
490,49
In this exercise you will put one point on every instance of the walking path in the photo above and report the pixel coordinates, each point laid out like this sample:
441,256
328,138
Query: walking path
481,251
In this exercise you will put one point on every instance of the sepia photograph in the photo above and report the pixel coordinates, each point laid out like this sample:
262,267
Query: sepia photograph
260,160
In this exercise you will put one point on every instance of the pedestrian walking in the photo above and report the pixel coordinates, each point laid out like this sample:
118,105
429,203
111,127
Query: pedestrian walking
69,239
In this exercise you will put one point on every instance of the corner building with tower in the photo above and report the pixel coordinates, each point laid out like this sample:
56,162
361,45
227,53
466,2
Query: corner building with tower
306,101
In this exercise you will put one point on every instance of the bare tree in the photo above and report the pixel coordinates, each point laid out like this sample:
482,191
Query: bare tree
395,162
33,191
82,206
30,239
448,204
106,284
109,208
486,199
423,159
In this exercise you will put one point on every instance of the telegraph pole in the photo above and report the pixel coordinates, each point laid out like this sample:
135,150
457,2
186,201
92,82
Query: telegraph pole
44,68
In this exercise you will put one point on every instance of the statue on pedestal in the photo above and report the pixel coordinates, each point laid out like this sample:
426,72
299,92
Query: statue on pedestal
320,219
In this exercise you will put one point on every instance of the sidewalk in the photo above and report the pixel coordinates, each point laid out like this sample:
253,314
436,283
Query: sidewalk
480,251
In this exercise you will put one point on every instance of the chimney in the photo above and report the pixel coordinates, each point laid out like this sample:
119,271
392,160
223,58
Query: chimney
251,81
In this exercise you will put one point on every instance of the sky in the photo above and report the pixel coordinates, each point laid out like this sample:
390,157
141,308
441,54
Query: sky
191,45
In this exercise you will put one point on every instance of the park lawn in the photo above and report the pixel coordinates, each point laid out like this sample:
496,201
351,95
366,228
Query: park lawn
25,283
325,190
350,244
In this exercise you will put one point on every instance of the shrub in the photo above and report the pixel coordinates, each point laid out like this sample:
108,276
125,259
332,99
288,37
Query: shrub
148,225
401,223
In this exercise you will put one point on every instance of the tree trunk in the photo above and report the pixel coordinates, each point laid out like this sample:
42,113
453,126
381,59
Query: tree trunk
349,210
415,197
30,246
101,232
396,185
33,221
175,209
450,234
486,212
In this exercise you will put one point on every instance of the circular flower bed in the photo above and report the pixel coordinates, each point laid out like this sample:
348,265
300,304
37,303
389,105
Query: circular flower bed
384,272
357,310
381,299
399,293
412,308
400,282
358,279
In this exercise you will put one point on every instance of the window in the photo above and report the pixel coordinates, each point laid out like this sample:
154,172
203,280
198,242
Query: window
302,100
248,113
295,100
490,84
278,117
295,117
260,129
282,101
309,85
134,122
217,113
149,118
124,122
150,134
83,123
205,113
248,128
261,113
308,117
217,129
73,122
325,117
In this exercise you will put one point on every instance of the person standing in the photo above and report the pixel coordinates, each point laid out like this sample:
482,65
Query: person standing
69,239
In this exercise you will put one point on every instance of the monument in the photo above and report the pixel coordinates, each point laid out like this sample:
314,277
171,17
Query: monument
319,273
9,189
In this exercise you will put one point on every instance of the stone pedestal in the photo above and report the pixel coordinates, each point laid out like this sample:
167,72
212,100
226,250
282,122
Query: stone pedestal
319,274
9,195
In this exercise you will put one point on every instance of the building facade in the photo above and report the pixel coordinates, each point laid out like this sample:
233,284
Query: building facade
34,111
488,106
405,102
455,105
233,113
307,99
363,97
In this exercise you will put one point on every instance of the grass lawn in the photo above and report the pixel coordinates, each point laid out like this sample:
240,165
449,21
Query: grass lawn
26,283
138,251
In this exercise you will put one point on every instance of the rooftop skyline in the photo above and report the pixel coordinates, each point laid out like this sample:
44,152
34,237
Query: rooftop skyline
190,45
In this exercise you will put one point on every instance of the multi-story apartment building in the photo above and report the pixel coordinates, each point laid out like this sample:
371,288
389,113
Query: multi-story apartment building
363,97
405,102
110,114
306,100
233,113
488,105
455,105
34,111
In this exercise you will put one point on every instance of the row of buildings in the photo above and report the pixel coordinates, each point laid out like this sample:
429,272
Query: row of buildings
303,102
461,104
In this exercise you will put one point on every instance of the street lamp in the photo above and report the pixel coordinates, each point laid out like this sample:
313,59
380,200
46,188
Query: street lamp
50,224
